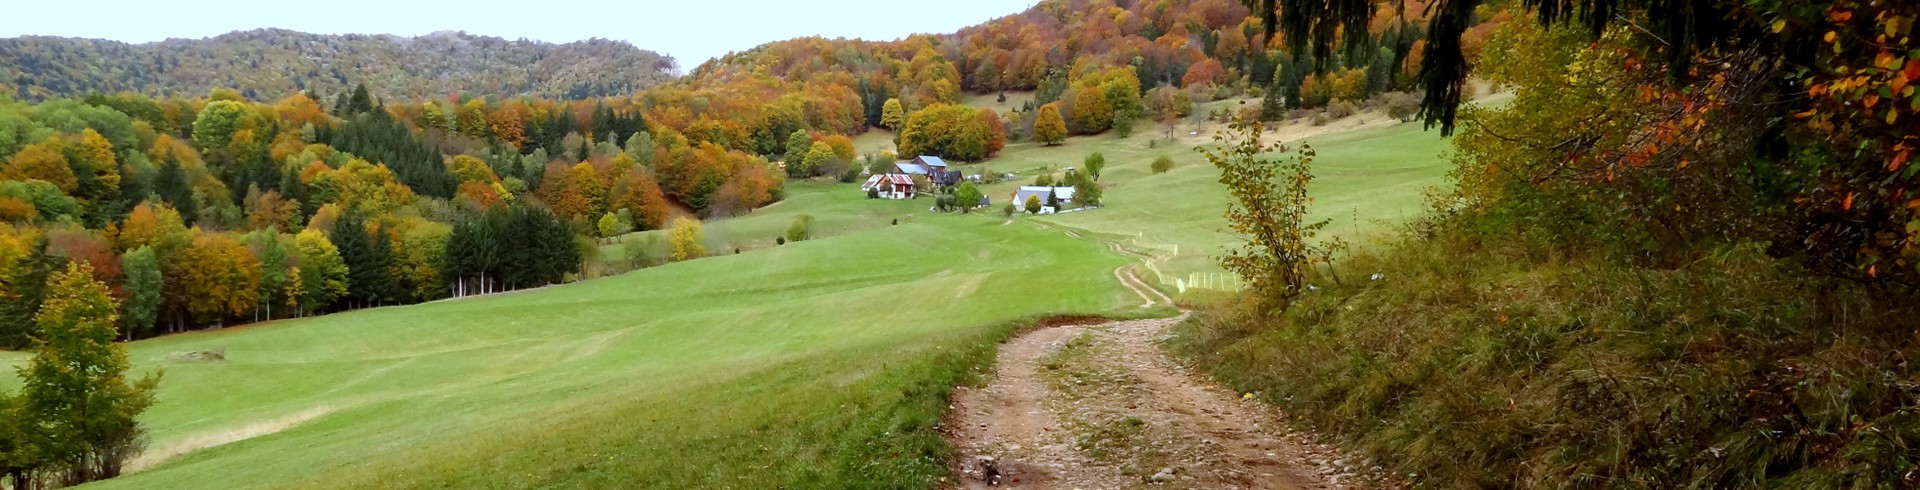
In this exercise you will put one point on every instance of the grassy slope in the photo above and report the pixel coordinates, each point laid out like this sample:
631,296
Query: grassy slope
823,363
837,209
1366,181
1490,362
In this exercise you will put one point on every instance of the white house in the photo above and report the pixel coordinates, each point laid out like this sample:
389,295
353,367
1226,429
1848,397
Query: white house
889,186
1063,194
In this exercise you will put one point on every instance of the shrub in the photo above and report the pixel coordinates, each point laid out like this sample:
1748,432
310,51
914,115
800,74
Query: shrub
1162,164
1269,208
1008,210
801,229
1320,119
1340,108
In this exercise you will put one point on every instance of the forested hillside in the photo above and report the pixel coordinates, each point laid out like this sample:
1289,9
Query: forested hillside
267,64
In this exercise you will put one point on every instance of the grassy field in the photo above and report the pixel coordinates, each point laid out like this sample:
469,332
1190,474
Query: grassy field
837,209
1367,181
819,364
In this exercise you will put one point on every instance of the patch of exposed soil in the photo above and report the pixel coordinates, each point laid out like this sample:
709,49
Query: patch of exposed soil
1100,406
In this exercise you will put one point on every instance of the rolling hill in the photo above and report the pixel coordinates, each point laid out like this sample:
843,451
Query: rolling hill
266,64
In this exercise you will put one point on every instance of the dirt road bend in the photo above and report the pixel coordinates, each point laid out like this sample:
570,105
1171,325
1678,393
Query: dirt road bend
1101,406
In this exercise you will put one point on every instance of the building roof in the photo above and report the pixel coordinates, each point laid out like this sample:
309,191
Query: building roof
946,177
878,180
931,161
909,168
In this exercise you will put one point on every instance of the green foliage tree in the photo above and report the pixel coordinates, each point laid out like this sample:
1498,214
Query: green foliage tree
819,158
48,203
640,147
143,284
1033,204
82,407
1086,192
1093,164
798,144
610,226
323,274
967,196
1008,210
216,123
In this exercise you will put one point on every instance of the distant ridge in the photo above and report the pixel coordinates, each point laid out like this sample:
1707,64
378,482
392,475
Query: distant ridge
266,64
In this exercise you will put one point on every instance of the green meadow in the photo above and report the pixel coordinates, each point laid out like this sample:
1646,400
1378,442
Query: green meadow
822,363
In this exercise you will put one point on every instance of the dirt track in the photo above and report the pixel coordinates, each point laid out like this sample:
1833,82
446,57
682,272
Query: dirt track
1100,406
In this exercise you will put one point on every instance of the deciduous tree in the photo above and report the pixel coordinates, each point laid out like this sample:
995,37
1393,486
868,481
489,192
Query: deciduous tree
1049,128
686,240
83,409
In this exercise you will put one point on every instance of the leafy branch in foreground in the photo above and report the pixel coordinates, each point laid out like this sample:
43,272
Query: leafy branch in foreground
1269,210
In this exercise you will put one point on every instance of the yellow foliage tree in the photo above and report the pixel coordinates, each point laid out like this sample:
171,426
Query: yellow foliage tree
1048,127
218,275
685,239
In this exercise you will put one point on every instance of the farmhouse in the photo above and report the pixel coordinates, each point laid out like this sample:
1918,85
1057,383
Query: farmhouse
889,186
1064,194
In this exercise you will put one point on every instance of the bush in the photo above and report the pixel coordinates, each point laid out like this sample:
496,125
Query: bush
1340,108
1162,164
1008,210
1402,106
1321,119
801,229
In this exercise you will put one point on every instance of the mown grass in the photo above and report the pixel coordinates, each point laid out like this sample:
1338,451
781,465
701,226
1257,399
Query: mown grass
1480,362
837,209
819,364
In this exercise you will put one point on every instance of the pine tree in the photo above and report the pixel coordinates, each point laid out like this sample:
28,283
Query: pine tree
368,280
171,185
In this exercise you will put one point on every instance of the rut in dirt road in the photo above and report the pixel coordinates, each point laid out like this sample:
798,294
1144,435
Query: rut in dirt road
1100,406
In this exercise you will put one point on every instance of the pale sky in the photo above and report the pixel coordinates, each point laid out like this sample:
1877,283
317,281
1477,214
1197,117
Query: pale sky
689,30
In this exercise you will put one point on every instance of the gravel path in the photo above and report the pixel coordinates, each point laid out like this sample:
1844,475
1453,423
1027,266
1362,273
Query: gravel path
1101,406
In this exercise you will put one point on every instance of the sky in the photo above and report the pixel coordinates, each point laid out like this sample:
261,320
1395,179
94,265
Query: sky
689,30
